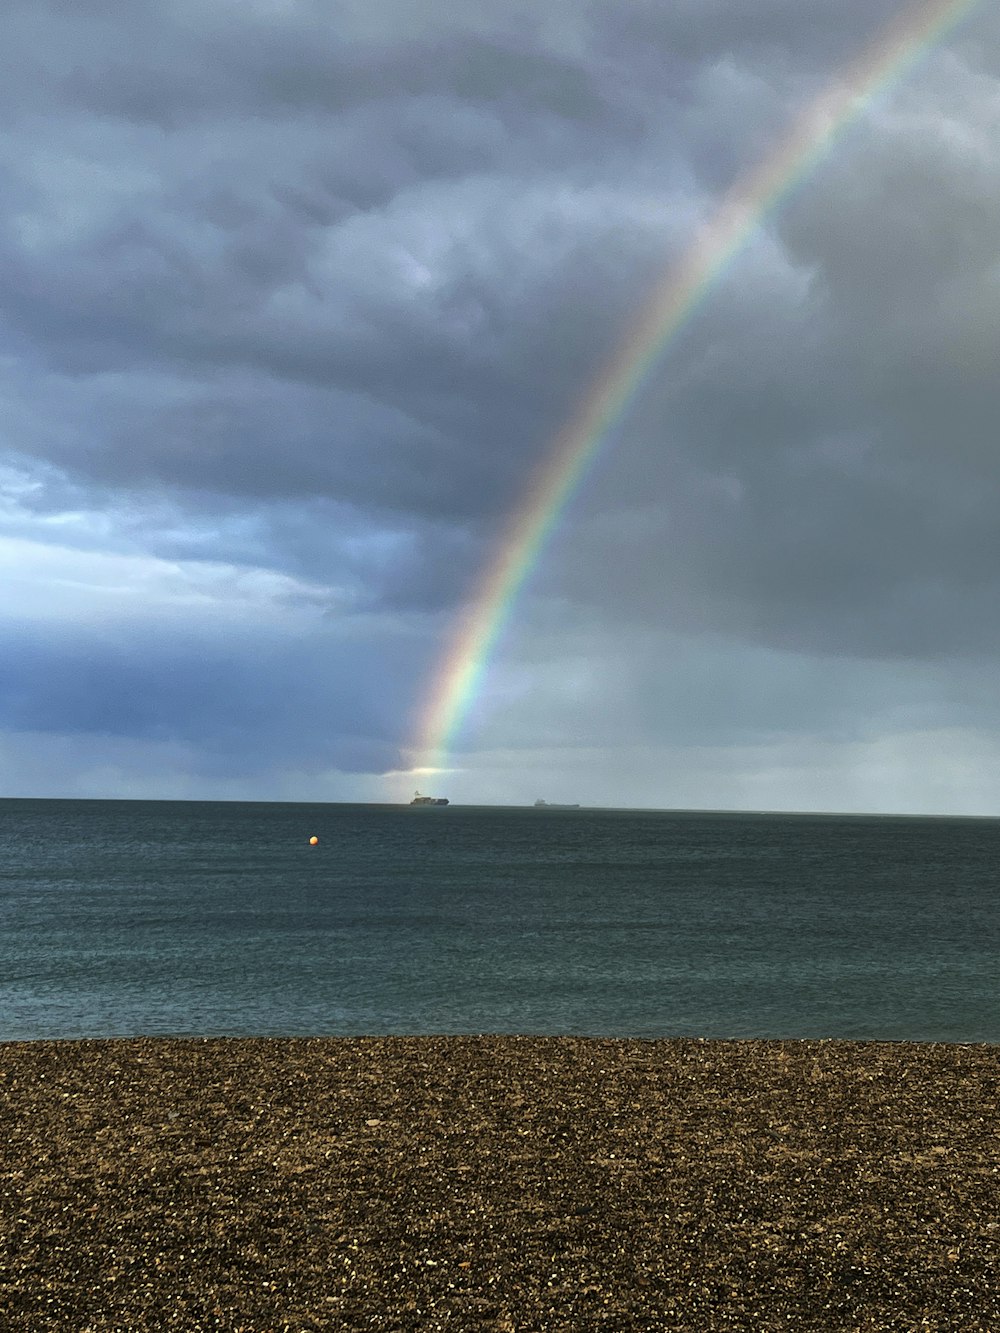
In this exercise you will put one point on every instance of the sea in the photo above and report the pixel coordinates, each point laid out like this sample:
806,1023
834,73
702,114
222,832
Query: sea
141,918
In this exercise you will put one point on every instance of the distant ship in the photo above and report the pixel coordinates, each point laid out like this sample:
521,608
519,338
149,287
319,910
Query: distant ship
428,800
552,805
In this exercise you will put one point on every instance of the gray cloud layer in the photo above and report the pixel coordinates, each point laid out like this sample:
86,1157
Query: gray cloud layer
309,289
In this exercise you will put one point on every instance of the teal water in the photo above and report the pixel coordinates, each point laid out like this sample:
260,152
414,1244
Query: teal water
122,918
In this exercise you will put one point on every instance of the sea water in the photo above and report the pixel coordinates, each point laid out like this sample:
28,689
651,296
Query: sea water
128,918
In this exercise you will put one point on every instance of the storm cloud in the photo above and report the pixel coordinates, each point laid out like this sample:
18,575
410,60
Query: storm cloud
294,299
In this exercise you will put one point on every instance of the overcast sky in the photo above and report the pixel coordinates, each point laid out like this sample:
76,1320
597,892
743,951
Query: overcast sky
295,296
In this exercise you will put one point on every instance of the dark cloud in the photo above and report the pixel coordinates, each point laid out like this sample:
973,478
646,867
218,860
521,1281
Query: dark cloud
313,290
250,702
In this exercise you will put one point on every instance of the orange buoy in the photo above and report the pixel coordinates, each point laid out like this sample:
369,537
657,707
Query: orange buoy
313,840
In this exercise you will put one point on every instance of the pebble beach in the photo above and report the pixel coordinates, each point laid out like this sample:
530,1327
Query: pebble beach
509,1183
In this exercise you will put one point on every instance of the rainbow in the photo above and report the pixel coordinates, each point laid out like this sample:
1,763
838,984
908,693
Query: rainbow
914,32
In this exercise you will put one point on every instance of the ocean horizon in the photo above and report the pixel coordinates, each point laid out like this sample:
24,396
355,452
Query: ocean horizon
218,918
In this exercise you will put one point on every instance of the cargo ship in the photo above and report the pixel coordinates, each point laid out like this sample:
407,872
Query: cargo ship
428,800
551,805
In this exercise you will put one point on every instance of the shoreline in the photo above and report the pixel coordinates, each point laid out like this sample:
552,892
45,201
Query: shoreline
498,1182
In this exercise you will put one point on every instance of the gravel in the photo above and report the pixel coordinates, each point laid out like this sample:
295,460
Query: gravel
509,1183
